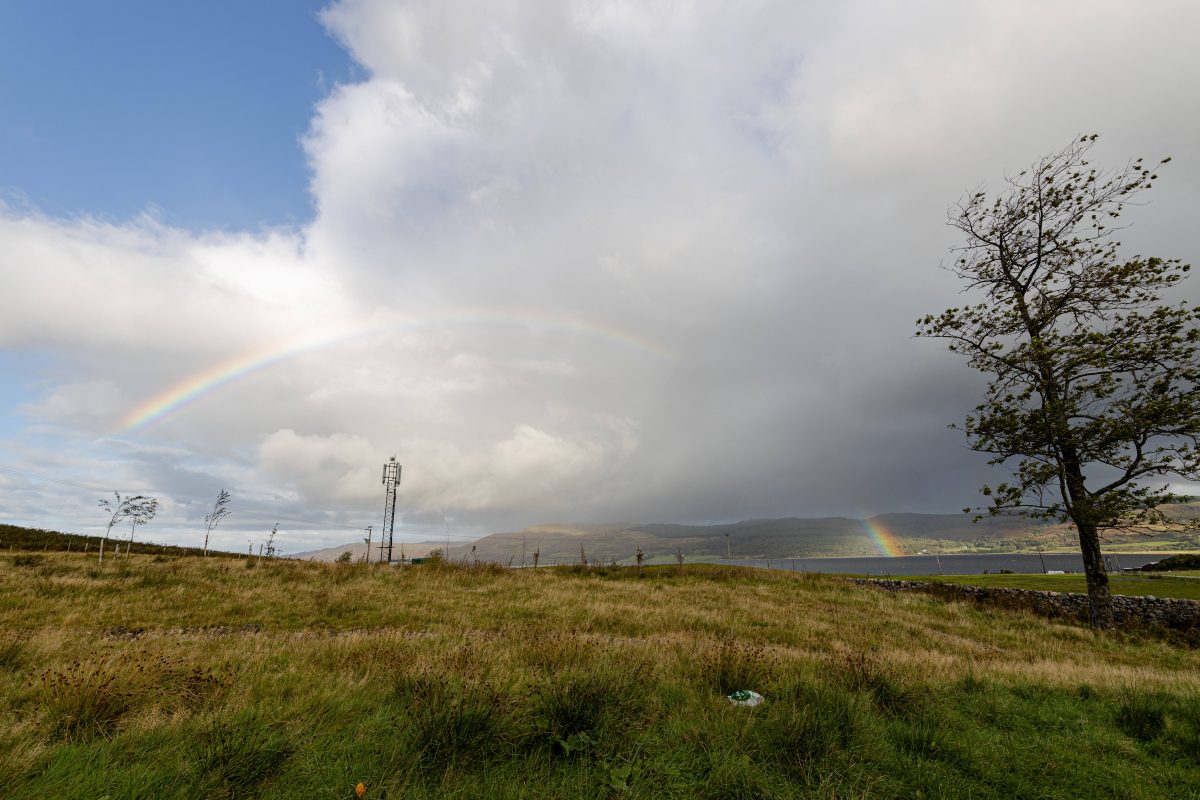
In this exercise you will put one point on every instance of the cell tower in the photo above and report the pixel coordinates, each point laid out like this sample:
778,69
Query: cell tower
391,481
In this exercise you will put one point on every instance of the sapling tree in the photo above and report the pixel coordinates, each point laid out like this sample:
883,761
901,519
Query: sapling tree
1093,397
219,512
141,510
271,541
117,509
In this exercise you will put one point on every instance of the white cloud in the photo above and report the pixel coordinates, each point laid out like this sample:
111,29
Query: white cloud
92,399
323,469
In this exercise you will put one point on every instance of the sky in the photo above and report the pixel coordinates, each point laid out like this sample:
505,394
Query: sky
604,261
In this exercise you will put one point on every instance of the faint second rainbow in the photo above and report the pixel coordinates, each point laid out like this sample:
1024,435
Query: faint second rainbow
883,539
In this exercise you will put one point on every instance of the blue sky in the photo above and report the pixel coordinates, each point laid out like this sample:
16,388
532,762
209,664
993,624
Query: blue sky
192,108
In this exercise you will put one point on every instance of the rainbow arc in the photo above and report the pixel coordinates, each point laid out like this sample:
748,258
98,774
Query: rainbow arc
214,377
884,540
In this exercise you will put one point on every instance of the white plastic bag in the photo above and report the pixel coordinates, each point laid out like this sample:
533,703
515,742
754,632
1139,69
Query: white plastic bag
745,697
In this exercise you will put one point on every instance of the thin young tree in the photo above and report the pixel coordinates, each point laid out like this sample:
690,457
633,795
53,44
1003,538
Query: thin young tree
116,509
271,541
141,511
219,512
1093,396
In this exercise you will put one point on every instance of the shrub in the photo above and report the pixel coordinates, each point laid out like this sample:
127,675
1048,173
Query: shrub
1182,561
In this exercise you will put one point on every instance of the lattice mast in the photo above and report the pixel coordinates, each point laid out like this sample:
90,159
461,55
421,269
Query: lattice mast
391,482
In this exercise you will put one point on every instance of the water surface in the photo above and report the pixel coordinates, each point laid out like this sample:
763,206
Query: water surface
956,564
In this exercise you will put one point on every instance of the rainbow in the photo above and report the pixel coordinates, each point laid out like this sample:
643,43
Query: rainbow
883,539
212,378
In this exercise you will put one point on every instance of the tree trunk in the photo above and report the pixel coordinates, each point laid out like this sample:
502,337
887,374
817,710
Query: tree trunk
1079,505
1099,596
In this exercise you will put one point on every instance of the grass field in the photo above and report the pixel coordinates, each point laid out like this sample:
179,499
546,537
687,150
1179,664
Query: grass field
1160,584
184,678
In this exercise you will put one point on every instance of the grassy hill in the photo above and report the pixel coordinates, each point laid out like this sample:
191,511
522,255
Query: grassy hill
18,538
163,677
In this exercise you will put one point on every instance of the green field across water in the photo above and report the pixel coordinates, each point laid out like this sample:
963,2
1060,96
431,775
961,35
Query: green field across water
1166,585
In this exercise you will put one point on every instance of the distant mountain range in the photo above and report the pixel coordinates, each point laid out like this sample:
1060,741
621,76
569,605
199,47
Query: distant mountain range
791,537
885,534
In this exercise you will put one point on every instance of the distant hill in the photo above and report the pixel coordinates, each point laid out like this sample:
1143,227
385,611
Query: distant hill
411,550
1182,511
756,538
791,537
17,537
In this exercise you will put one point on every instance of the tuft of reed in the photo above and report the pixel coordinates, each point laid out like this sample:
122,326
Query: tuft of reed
84,699
236,758
733,664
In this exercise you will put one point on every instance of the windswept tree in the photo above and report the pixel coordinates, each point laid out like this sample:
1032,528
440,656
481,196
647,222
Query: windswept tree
1093,397
271,541
141,511
219,512
117,509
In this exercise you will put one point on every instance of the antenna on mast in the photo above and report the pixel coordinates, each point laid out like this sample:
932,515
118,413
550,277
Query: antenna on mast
391,482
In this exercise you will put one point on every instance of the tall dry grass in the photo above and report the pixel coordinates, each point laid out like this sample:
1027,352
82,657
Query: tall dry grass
276,678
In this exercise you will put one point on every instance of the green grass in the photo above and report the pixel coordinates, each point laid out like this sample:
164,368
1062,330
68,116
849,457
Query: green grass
1164,585
185,678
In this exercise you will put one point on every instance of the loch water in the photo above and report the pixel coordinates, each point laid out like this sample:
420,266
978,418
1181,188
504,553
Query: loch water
950,564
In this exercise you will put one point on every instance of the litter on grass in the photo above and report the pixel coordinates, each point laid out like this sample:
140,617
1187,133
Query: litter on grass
744,697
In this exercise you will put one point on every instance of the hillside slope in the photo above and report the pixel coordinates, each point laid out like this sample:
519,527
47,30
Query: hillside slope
18,537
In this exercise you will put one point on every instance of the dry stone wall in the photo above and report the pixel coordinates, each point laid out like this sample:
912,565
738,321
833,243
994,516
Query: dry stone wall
1147,610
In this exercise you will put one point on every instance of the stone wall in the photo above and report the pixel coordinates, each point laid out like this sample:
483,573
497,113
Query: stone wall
1147,610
